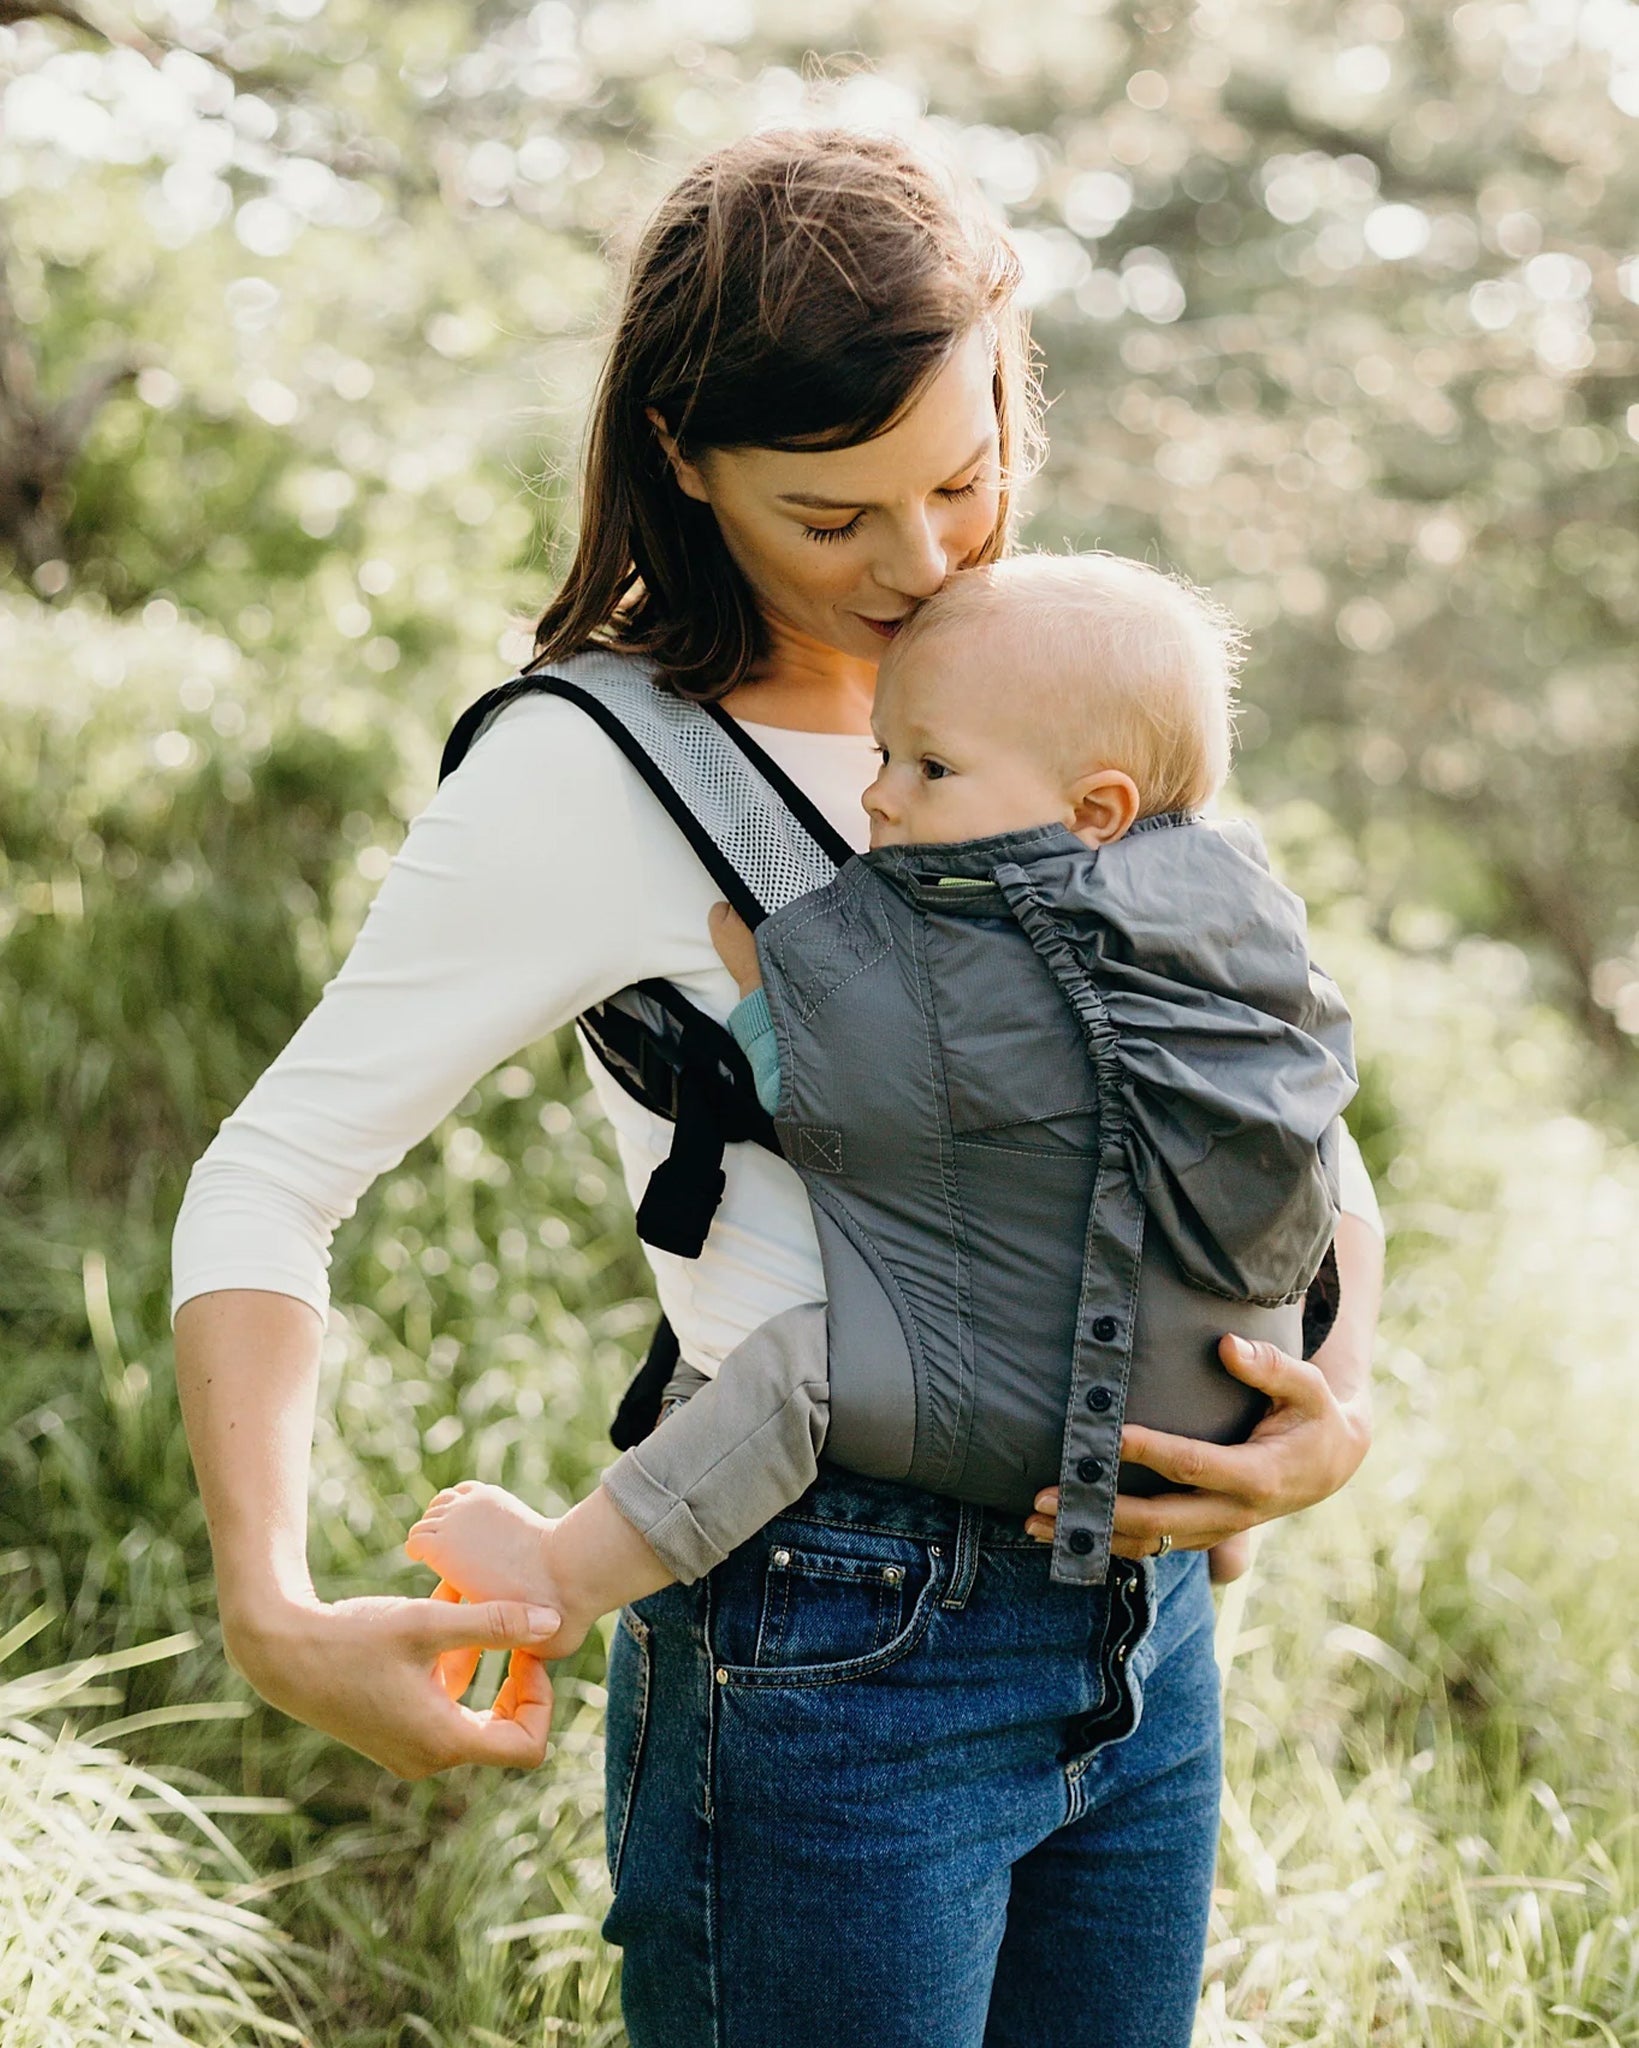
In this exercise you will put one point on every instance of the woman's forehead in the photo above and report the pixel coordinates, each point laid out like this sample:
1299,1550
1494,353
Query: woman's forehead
948,427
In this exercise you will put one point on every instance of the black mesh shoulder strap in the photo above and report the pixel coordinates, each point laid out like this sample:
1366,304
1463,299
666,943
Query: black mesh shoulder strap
758,836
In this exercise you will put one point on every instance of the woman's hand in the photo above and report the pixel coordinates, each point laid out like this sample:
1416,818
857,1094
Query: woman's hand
1317,1431
385,1676
1306,1447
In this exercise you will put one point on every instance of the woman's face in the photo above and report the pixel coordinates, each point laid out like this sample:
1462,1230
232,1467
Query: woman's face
843,542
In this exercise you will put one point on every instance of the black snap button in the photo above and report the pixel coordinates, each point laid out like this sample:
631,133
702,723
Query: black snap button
1105,1328
1081,1541
1099,1398
1090,1469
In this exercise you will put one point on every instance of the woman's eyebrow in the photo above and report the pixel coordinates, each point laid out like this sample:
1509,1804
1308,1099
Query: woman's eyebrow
858,504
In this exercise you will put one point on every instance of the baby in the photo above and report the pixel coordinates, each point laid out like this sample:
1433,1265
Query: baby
1087,693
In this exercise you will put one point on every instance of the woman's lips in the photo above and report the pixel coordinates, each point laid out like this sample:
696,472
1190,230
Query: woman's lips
885,627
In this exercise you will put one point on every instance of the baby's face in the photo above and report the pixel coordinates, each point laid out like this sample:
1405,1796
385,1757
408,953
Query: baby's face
951,769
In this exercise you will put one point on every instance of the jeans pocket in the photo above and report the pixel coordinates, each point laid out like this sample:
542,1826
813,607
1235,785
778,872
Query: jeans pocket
806,1604
630,1681
822,1609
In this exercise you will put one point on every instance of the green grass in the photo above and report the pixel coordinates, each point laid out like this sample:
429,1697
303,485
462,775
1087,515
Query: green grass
1432,1699
122,1901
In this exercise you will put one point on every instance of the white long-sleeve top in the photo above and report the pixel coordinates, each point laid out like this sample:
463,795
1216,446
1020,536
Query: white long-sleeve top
541,877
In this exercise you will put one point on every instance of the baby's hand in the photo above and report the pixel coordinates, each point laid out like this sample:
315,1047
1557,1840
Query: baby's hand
736,948
489,1546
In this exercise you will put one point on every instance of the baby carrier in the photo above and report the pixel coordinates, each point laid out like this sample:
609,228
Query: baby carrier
765,845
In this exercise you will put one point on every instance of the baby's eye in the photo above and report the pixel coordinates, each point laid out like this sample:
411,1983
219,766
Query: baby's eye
933,769
883,752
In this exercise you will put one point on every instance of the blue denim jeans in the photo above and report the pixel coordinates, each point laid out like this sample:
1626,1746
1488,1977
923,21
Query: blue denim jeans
877,1782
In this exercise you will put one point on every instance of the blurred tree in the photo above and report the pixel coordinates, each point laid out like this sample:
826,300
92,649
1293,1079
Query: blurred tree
1337,304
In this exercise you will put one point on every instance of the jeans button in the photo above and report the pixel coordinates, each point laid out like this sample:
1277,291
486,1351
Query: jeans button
1099,1398
1081,1541
1089,1469
1105,1328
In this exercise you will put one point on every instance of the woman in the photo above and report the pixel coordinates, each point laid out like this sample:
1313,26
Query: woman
937,1798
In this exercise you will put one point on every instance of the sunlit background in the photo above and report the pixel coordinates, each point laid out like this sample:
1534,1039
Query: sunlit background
299,310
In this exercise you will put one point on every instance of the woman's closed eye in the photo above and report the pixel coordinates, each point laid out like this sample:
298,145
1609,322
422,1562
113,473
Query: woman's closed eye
824,533
834,532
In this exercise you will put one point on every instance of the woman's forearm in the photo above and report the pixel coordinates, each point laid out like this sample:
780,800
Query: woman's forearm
247,1369
1346,1356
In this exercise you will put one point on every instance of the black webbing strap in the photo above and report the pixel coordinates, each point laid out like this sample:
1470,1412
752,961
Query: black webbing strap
686,1188
639,1408
1320,1304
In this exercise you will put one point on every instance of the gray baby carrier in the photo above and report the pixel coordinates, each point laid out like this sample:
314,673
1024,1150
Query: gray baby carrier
1095,1088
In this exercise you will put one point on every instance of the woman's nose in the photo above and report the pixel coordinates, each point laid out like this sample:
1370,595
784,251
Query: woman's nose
917,561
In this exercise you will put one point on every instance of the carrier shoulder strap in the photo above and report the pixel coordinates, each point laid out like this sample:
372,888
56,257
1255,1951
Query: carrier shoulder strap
761,840
759,837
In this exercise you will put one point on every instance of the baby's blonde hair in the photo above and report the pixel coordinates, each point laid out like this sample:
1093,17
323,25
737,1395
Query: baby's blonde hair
1106,662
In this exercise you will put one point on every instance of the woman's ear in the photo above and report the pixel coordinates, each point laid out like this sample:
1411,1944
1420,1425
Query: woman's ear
1106,805
689,480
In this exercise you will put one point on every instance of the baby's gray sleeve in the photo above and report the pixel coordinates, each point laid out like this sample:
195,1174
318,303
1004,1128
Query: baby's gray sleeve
736,1453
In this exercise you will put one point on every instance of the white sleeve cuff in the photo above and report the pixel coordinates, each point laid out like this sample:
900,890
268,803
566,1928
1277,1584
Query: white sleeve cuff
237,1227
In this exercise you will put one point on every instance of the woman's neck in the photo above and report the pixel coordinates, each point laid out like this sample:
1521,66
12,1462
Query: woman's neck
805,685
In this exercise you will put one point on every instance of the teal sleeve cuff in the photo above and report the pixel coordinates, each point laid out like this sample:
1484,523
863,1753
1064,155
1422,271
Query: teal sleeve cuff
753,1029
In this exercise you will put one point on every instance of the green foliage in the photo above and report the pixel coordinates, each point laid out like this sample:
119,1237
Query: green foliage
1336,304
1431,1689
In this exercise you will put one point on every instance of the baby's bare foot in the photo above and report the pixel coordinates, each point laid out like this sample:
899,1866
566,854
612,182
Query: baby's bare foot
485,1542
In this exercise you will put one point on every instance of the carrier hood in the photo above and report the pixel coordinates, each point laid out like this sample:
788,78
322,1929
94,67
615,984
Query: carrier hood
1223,1061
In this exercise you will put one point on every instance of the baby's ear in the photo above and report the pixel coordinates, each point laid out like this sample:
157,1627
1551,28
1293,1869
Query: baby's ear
1107,804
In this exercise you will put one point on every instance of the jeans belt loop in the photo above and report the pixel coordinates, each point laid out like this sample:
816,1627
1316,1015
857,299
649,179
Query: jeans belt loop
966,1561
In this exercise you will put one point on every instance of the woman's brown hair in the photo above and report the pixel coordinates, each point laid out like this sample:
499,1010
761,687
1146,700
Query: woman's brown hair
795,289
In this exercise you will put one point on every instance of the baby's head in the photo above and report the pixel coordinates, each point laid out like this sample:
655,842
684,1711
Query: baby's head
1081,689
